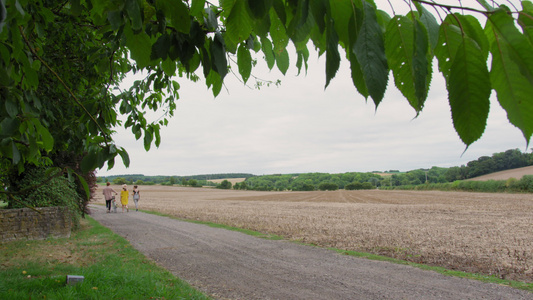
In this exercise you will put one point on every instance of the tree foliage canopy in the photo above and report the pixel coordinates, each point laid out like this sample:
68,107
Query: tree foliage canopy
60,61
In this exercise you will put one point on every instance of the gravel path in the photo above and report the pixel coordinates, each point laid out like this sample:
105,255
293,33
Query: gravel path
230,265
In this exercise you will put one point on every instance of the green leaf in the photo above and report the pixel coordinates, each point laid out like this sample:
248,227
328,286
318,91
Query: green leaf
332,52
469,90
261,27
303,57
85,186
216,82
49,171
125,157
244,62
15,154
47,138
450,38
11,107
318,9
357,76
369,50
178,13
140,47
115,19
3,15
342,12
9,126
157,135
278,33
31,76
421,66
148,137
111,163
259,9
89,162
485,5
238,24
400,43
211,20
134,14
301,24
407,55
525,19
520,49
169,67
430,23
161,47
282,61
472,28
266,46
279,10
513,90
218,55
75,7
197,6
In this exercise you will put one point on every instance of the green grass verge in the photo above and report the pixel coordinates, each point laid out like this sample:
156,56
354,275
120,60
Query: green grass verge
485,278
441,270
111,267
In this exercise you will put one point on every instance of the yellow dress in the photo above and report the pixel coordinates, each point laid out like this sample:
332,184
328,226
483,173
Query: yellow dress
124,197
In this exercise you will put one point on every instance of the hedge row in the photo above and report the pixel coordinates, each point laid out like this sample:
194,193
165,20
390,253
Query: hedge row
511,185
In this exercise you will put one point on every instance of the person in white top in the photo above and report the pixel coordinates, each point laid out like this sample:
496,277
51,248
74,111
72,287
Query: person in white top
136,197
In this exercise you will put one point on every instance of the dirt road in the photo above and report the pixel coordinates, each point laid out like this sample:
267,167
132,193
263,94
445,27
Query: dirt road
230,265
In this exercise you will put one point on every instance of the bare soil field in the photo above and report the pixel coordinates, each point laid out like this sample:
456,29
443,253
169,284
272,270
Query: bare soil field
232,180
474,232
504,175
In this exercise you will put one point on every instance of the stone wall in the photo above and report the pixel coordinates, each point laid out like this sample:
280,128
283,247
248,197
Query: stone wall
26,223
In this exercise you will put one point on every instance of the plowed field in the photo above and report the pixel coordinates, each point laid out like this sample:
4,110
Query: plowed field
474,232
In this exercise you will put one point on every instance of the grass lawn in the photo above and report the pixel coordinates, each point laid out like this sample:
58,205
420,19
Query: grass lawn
111,267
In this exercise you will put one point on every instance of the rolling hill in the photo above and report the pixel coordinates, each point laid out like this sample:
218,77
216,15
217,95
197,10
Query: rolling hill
504,175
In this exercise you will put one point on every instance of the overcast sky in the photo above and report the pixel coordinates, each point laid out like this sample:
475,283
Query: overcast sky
299,127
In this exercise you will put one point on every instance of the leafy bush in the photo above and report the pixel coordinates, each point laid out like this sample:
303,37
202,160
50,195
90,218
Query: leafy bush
225,185
119,181
35,188
354,186
328,186
526,183
360,186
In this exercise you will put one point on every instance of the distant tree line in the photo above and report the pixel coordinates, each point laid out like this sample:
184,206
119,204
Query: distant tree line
509,159
194,181
310,182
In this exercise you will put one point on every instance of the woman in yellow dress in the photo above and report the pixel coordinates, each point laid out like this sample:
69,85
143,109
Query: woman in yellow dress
124,198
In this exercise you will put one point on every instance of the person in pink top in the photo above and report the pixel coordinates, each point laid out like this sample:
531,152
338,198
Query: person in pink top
108,195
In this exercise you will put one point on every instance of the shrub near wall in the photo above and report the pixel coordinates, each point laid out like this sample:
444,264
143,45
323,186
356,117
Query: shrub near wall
56,192
38,224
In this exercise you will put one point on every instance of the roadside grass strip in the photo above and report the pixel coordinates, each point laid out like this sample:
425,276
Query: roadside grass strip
111,267
480,277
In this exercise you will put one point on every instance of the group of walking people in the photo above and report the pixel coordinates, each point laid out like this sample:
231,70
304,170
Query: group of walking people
111,202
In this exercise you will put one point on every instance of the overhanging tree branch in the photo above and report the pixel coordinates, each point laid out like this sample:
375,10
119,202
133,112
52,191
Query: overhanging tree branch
64,85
